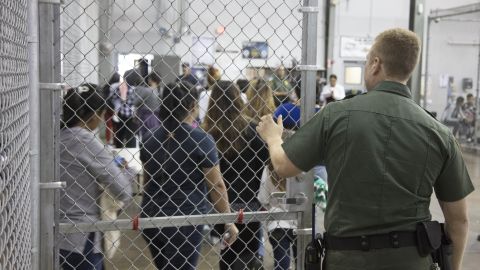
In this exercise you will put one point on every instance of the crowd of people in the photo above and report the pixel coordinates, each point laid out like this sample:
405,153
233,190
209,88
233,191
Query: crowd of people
461,116
200,153
219,147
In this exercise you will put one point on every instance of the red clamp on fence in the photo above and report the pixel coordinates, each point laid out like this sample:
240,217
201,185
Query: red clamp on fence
240,216
135,223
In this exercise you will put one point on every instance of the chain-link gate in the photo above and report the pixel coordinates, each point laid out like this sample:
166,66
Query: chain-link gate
455,95
15,222
158,147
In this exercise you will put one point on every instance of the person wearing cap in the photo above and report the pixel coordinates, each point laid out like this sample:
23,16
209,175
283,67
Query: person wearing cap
385,156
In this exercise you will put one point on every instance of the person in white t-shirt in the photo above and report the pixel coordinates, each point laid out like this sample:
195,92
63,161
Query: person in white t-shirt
332,91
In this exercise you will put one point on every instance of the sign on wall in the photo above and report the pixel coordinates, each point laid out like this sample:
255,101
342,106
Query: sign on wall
255,49
355,47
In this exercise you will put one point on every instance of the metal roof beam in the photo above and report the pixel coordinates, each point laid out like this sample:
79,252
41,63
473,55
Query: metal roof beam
455,11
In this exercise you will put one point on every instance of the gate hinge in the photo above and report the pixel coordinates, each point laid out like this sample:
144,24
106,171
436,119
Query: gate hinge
280,197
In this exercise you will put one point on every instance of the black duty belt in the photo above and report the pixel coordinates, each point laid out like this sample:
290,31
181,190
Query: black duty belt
368,242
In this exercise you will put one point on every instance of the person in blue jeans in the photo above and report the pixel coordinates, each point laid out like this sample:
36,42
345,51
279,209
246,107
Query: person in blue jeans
181,168
89,259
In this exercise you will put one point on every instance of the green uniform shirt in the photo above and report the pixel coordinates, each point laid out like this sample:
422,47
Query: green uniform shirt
384,156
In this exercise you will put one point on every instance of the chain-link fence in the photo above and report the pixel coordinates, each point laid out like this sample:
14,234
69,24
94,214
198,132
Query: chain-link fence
158,148
452,90
15,226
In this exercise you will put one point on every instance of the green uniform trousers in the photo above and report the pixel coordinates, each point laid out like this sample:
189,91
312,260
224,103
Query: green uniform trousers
406,258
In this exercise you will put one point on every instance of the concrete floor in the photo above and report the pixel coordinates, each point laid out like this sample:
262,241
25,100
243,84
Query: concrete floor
133,253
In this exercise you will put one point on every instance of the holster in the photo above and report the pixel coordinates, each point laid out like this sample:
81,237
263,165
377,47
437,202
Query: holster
315,254
443,255
432,240
429,237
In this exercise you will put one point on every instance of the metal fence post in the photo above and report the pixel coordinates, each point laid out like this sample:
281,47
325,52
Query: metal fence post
15,181
416,24
49,60
105,52
476,135
308,69
34,109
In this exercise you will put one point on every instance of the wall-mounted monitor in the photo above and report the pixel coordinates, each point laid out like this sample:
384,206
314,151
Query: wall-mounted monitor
255,50
353,75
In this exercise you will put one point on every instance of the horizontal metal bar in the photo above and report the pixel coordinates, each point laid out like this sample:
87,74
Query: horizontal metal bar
460,20
463,43
58,2
309,67
174,221
305,231
51,86
309,9
455,11
53,185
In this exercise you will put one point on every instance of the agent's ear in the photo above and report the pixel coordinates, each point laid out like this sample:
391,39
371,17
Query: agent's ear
376,66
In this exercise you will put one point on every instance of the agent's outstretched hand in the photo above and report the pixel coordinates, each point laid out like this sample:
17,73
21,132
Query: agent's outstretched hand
269,130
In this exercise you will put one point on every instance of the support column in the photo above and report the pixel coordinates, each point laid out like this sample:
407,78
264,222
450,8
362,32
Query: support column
416,24
49,60
308,70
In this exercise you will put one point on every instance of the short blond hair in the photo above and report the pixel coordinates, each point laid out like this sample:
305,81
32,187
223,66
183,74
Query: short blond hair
399,50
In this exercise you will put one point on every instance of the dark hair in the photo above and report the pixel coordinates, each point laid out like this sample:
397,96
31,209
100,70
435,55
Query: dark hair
153,76
469,95
185,65
213,76
81,103
460,100
178,100
243,85
132,77
115,78
225,120
333,76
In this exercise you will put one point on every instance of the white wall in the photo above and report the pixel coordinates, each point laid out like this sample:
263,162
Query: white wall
79,41
365,18
459,61
137,26
277,22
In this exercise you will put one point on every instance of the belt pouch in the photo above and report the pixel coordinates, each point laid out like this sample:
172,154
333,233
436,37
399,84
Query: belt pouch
429,237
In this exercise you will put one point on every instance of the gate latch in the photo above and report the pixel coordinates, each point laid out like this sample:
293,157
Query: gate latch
53,185
280,198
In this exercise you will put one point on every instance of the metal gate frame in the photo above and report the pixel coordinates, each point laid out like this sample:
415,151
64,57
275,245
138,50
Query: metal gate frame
50,105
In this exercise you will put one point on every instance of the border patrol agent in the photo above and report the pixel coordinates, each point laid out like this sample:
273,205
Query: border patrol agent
385,156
